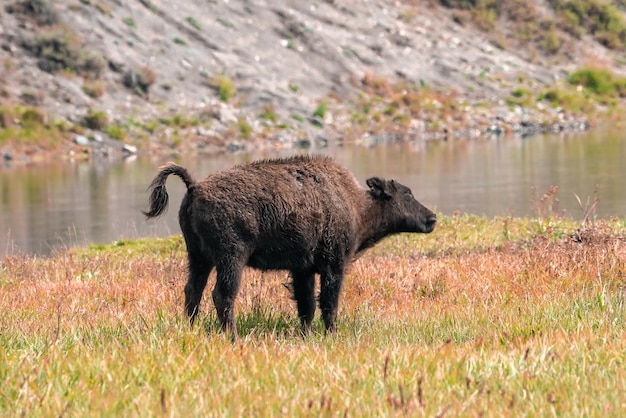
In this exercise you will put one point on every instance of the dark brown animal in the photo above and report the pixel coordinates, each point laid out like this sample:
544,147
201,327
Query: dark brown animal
305,214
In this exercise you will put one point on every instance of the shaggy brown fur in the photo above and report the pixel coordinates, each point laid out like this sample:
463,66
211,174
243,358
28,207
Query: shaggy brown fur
305,214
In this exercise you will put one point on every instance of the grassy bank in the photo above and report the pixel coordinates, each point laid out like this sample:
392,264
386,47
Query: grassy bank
484,316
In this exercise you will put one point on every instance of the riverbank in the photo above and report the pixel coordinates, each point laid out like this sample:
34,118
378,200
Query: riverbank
484,316
33,141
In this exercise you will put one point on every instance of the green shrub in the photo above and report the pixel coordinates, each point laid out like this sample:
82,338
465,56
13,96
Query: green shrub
550,41
32,117
6,118
245,129
598,81
520,96
115,131
179,120
569,100
224,86
320,111
130,22
194,22
268,112
226,22
28,117
520,92
620,86
95,119
297,117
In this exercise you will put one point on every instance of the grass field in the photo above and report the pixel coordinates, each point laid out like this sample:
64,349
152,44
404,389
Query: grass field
493,317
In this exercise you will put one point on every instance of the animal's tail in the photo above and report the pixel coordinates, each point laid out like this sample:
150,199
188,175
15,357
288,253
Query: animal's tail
159,196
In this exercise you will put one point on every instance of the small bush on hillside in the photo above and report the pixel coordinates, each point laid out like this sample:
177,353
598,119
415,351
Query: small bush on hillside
27,117
521,97
224,86
115,131
93,88
140,80
6,118
40,10
268,112
32,117
599,81
572,101
245,129
59,50
130,22
31,98
320,111
194,22
550,41
95,119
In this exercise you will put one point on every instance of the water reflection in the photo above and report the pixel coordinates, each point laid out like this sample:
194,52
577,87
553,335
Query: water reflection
67,204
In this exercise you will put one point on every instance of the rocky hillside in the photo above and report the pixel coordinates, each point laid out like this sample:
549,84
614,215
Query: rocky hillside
227,73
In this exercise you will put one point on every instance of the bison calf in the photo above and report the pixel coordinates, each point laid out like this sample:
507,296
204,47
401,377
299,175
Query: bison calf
305,214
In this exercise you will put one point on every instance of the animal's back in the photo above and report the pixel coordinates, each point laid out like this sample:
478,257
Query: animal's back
290,182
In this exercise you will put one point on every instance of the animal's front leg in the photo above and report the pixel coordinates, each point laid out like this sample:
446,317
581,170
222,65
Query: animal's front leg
304,294
225,292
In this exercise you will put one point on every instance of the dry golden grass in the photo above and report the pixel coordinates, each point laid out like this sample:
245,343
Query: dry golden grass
483,317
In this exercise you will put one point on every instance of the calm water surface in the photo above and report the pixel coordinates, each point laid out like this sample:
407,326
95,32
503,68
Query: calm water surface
61,205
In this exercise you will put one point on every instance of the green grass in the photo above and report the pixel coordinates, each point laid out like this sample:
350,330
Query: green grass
33,128
495,317
194,22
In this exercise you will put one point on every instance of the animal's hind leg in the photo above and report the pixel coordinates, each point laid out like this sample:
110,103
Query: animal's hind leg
199,270
304,294
225,292
331,282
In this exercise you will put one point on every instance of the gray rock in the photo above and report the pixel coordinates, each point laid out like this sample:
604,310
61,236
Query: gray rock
235,146
303,143
81,140
129,149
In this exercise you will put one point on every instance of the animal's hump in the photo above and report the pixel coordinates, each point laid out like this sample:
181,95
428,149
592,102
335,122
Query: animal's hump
302,159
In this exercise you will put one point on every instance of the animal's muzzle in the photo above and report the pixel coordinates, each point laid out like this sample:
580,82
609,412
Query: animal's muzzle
430,223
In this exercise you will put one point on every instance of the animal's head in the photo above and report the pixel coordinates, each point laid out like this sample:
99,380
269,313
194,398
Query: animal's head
401,209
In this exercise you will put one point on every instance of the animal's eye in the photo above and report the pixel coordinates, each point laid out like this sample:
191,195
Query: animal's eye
407,192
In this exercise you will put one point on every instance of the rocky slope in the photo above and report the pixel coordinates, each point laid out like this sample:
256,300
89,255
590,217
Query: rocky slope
261,69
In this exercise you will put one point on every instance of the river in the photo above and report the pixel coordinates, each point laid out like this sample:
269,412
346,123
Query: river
59,205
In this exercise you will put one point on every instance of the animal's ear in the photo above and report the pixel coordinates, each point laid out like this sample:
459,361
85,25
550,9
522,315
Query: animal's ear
379,188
